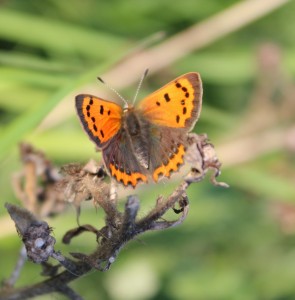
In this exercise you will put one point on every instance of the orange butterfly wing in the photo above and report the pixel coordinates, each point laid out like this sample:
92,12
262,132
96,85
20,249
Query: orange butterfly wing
177,104
175,108
100,118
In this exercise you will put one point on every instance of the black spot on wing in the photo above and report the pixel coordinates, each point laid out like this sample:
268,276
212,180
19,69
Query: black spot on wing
167,98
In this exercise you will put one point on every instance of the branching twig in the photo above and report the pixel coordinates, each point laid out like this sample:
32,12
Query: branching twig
88,182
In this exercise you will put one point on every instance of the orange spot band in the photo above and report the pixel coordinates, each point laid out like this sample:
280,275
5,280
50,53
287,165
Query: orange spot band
173,164
126,179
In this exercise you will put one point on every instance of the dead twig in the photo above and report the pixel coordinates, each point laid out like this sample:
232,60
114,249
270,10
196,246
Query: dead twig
89,182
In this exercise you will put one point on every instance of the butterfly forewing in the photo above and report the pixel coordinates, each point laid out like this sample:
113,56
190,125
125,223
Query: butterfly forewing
177,104
100,118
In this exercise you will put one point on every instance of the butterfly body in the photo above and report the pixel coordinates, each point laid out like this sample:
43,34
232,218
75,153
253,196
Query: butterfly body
148,140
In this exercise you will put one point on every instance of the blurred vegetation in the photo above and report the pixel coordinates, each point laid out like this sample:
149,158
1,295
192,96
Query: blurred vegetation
236,243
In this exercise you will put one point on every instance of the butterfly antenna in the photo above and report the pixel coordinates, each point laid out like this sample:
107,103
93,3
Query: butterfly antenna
139,85
112,89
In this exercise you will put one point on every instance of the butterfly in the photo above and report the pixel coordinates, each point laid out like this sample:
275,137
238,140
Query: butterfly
147,140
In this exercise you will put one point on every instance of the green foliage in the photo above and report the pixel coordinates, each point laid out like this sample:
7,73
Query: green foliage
236,243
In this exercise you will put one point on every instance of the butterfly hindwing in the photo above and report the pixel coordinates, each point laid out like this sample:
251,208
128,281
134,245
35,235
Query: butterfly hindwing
121,161
101,119
177,104
167,149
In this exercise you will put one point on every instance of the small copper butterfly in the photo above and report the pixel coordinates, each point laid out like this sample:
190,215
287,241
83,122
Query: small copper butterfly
146,140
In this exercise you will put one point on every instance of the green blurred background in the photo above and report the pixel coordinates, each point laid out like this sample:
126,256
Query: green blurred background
236,243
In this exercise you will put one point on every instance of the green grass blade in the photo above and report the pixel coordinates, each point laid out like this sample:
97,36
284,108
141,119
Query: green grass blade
60,37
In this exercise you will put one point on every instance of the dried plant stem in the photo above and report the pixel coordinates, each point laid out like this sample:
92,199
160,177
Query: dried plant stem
148,222
57,283
18,267
83,183
191,39
259,144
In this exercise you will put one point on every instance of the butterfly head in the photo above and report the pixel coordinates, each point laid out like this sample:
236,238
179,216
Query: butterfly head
127,108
